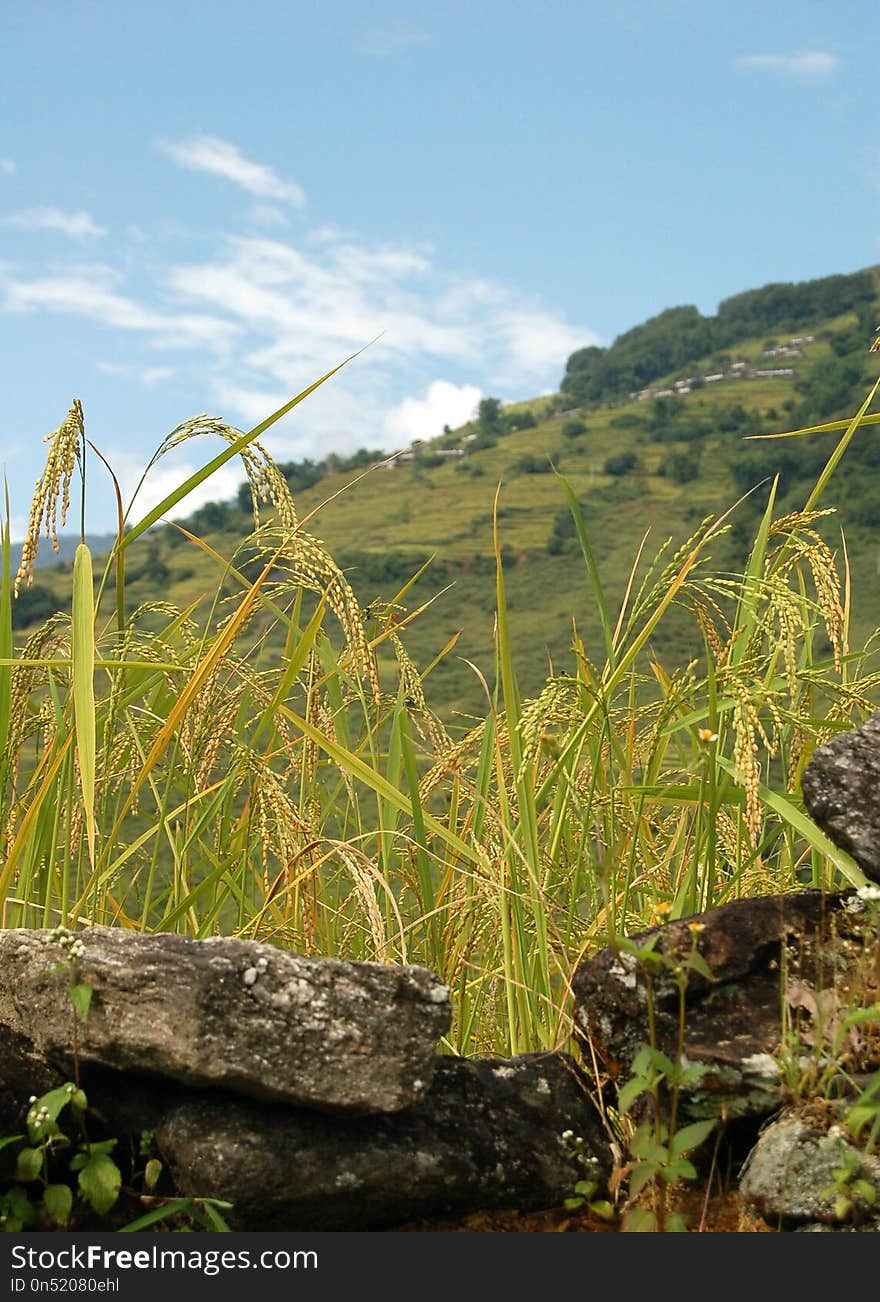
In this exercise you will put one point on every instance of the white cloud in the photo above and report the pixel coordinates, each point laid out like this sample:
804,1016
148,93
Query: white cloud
335,418
313,308
220,158
423,418
328,234
168,474
7,167
88,292
249,405
264,317
808,65
76,225
532,343
268,215
148,375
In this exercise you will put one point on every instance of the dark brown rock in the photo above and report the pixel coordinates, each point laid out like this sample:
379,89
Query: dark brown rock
321,1033
488,1134
841,786
732,1019
23,1073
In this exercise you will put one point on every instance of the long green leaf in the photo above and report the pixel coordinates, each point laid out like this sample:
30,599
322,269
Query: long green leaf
199,477
82,648
592,567
5,646
838,452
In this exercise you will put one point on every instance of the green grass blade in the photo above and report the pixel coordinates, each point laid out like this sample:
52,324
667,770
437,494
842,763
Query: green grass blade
5,648
199,477
592,567
831,464
82,648
829,428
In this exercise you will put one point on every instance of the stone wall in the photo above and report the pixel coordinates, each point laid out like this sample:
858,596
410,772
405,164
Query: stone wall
310,1093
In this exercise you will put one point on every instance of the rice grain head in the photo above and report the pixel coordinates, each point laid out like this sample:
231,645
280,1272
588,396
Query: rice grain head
65,444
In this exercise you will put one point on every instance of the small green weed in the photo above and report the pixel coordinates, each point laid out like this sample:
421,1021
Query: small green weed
54,1175
659,1150
853,1195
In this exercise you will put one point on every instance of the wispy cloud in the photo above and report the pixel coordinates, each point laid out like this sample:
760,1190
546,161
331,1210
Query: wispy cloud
220,158
808,65
76,225
384,43
147,375
302,309
328,234
89,292
262,317
7,167
269,215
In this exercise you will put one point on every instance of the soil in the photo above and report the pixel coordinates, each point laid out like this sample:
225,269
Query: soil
724,1213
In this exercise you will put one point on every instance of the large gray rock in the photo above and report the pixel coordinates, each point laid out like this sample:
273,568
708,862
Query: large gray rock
488,1134
841,786
733,1018
319,1033
790,1175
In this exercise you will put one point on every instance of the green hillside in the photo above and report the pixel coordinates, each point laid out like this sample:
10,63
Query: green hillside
657,463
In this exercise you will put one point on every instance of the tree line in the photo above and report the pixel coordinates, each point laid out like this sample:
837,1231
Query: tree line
682,335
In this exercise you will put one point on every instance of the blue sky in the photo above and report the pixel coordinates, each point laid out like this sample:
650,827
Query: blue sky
203,206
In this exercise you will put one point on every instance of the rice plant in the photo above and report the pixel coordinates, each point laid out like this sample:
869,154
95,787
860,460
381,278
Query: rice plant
261,764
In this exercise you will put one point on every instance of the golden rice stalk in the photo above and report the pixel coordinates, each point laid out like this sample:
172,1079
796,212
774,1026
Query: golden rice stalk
25,714
424,720
83,670
64,447
265,479
368,882
303,561
804,544
459,759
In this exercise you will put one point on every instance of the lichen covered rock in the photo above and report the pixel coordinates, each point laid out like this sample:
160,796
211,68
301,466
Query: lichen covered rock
750,948
488,1134
320,1033
841,786
797,1172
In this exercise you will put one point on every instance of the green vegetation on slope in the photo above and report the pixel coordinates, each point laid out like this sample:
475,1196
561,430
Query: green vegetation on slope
659,465
681,336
